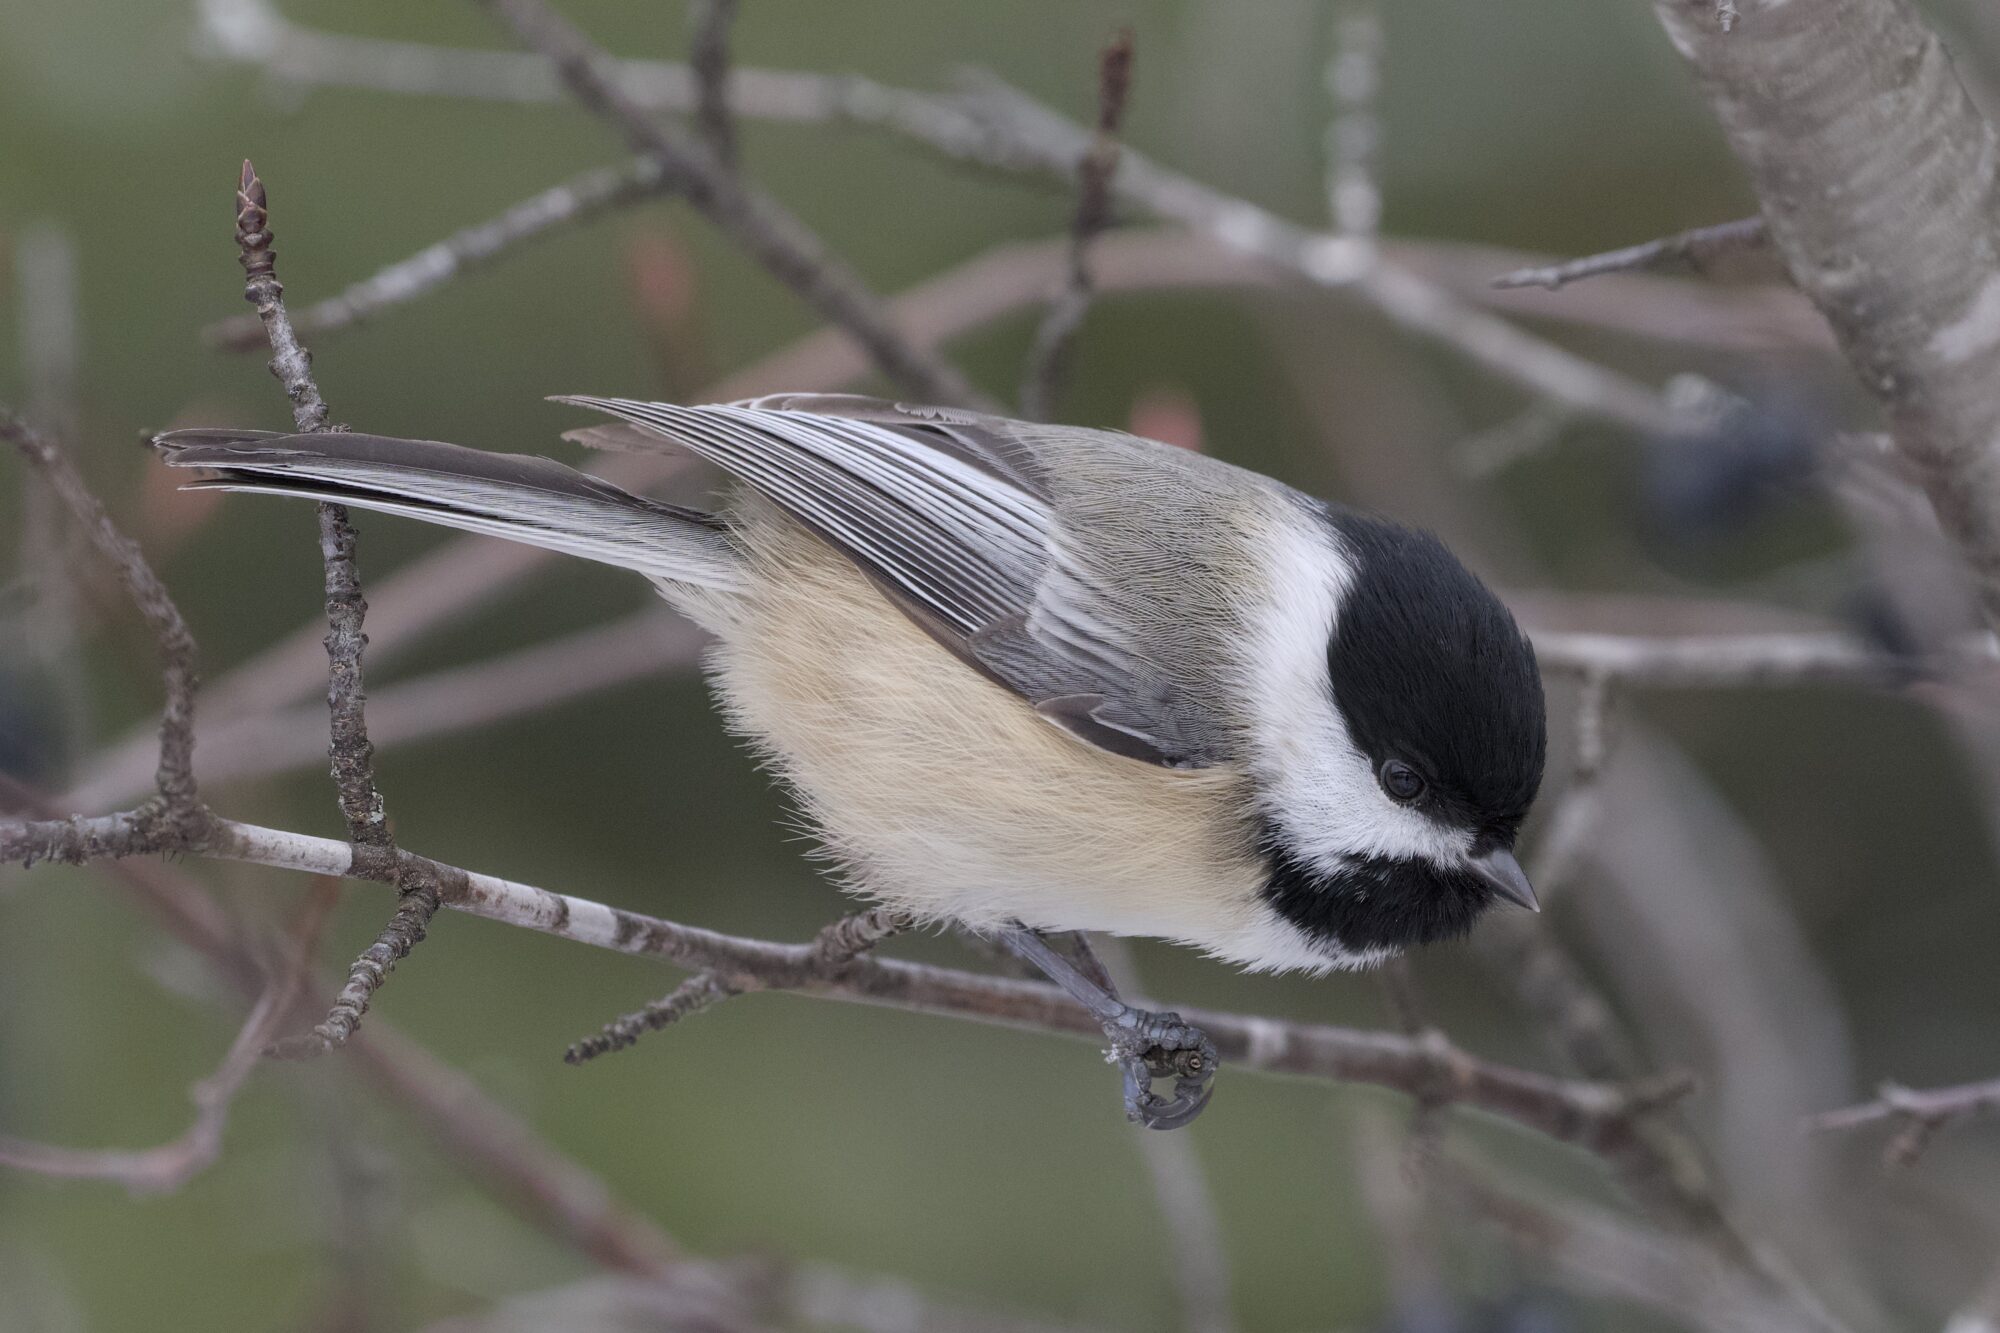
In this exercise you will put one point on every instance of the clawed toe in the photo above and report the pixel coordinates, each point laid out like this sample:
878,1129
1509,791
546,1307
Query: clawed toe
1148,1046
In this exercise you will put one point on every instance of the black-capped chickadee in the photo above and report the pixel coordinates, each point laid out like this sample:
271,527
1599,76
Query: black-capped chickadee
1037,676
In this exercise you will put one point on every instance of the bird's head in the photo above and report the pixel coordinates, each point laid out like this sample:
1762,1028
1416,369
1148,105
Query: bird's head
1392,795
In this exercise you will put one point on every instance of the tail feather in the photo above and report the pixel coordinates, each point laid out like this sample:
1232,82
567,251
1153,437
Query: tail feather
533,500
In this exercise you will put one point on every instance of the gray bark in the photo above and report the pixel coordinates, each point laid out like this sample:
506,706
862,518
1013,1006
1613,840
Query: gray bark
1877,176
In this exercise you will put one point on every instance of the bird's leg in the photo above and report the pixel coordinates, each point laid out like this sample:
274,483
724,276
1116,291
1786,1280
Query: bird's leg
1144,1045
1088,963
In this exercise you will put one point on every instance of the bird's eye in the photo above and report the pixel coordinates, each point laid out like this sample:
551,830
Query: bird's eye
1401,781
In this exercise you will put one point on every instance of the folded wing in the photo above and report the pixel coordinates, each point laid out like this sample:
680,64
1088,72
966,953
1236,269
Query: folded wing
950,514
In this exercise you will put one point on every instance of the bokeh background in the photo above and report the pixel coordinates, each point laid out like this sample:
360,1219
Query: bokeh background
1816,857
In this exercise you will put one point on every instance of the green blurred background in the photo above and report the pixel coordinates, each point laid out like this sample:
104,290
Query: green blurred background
886,1142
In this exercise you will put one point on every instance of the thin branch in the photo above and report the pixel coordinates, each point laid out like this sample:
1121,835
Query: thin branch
834,948
765,228
708,57
348,748
1696,248
1734,660
1917,1115
295,59
1048,356
174,770
291,364
703,990
1596,1116
1029,134
584,196
166,1168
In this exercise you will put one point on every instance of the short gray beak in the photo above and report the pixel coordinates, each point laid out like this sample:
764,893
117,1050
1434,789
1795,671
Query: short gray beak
1503,875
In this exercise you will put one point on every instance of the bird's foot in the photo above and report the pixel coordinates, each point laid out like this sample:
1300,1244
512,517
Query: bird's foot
1147,1045
1144,1045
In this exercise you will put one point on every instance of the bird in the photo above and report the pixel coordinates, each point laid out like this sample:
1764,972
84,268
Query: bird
1035,679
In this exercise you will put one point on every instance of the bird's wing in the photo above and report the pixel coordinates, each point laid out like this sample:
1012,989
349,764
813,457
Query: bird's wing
953,515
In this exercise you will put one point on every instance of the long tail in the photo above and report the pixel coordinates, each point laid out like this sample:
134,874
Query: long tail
525,499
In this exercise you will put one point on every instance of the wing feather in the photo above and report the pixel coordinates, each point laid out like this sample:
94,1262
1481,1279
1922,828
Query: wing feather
950,513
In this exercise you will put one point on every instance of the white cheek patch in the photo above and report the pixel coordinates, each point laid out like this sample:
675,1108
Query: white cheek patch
1315,783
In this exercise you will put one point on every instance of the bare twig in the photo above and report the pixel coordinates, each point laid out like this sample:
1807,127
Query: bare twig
1711,661
765,228
1048,355
584,196
703,990
1034,135
174,771
708,57
348,749
166,1168
834,948
291,364
1694,247
1917,1114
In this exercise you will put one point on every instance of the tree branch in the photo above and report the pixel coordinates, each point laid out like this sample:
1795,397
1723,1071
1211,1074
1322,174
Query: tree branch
174,771
166,1168
584,196
708,57
769,232
1880,182
833,949
1025,135
992,126
1695,247
1599,1117
348,748
1917,1114
1049,352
